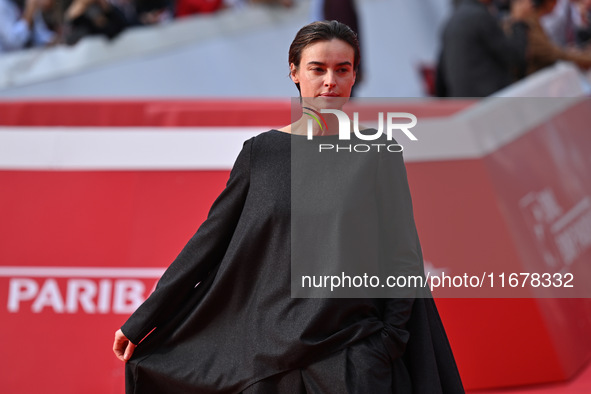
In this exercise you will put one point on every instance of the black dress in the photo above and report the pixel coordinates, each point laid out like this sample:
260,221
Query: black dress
225,316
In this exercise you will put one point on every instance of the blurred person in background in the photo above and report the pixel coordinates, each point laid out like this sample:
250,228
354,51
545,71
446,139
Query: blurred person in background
541,50
568,23
92,17
477,58
583,34
149,12
145,12
583,31
500,8
22,24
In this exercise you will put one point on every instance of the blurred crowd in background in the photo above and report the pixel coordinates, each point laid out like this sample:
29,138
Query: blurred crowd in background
485,45
33,23
488,44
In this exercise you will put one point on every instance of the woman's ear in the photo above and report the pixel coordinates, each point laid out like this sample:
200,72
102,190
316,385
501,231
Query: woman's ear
293,71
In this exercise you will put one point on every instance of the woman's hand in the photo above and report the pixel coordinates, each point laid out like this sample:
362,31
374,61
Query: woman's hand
122,347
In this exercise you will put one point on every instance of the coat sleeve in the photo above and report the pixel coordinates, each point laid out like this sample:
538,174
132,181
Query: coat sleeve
201,254
401,251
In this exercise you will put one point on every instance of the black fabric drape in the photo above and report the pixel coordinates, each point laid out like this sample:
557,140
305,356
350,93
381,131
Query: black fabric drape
240,326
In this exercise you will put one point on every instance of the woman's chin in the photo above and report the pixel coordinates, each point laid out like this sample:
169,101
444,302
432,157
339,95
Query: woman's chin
326,102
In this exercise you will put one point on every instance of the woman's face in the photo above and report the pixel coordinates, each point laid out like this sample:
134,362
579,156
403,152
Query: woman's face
325,72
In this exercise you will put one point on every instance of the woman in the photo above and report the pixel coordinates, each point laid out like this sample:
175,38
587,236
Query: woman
241,329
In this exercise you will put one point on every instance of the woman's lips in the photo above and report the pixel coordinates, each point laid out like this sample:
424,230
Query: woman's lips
329,94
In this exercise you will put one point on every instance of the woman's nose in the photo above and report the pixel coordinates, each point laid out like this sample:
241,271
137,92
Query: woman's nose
329,79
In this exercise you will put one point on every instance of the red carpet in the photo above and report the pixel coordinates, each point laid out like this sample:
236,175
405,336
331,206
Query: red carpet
580,384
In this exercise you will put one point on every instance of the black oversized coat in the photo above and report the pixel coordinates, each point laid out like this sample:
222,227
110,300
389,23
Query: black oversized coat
224,311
